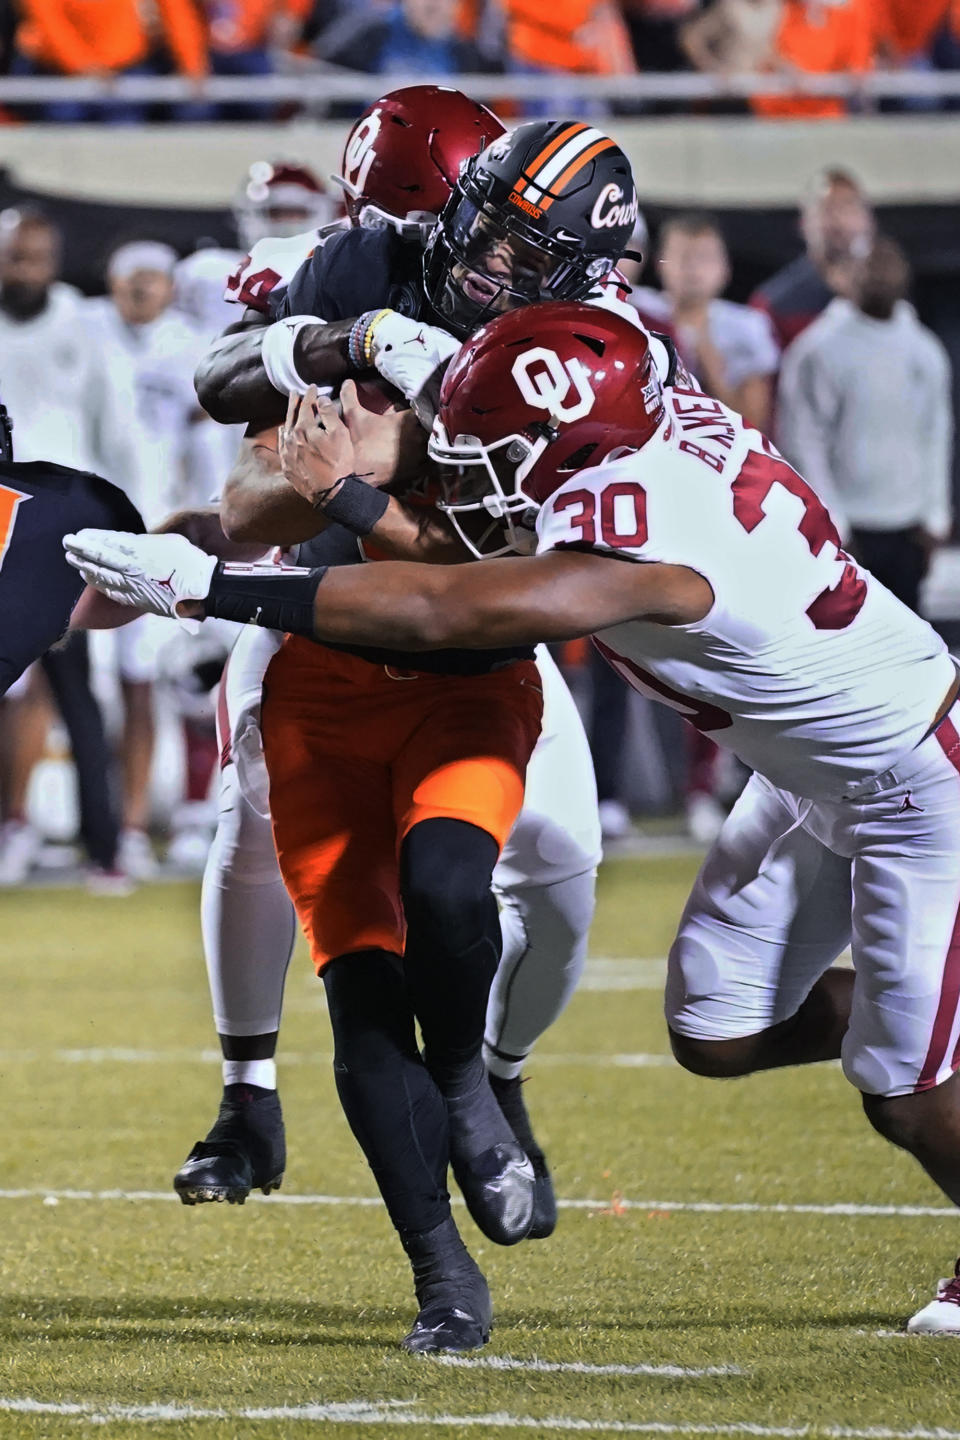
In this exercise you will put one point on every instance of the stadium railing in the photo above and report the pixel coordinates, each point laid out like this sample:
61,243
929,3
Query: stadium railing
309,85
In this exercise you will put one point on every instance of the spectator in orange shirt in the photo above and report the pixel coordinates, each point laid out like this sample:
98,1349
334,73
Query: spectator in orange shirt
906,29
822,37
583,37
102,40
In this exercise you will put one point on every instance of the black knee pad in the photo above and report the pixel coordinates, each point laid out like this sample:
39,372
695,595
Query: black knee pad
446,868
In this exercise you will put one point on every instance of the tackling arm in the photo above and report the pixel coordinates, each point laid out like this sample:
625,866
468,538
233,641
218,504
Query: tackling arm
558,596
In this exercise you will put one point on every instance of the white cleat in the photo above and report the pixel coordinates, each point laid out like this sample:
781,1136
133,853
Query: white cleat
942,1315
20,847
135,855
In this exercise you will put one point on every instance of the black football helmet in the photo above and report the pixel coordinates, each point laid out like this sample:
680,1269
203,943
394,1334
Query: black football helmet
543,213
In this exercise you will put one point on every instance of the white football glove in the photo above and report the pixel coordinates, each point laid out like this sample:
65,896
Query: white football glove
151,572
409,354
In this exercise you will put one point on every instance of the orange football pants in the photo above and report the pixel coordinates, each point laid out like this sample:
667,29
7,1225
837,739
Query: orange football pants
359,753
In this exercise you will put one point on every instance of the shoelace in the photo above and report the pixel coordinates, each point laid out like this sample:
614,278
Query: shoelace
951,1291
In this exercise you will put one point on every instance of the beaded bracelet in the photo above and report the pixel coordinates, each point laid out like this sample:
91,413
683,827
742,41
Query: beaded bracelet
360,339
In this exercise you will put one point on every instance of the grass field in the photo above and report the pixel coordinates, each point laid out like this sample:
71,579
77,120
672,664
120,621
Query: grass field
658,1306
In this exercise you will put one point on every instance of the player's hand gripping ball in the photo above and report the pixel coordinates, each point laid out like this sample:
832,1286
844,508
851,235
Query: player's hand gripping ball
316,450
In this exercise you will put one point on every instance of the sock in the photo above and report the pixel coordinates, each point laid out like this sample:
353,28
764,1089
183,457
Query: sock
510,1099
262,1073
476,1121
437,1257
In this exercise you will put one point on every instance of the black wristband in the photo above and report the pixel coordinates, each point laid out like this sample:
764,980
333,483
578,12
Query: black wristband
356,505
270,596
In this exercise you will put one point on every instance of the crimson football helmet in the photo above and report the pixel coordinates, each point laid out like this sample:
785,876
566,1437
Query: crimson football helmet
279,198
533,397
403,156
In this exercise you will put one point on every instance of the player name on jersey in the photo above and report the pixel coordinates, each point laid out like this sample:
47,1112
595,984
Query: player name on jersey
805,666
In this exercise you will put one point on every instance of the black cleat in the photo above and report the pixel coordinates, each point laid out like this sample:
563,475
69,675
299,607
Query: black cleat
510,1099
498,1190
544,1200
441,1326
245,1150
456,1312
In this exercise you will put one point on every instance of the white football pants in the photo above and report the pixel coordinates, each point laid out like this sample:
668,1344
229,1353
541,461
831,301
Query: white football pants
791,882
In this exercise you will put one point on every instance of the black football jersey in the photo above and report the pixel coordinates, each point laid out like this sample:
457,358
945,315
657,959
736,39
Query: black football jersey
39,504
354,271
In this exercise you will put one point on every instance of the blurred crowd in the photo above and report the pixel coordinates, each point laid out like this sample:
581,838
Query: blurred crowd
828,356
198,38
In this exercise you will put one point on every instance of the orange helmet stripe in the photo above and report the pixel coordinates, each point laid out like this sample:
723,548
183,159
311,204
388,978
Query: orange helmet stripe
566,134
573,168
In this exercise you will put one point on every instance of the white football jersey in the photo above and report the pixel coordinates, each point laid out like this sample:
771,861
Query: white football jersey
272,264
806,666
158,363
198,282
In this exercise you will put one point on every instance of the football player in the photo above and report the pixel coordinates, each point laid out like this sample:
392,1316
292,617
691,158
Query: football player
39,504
734,602
547,906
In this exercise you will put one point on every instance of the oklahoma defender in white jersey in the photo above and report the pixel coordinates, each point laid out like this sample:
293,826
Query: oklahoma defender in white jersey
733,601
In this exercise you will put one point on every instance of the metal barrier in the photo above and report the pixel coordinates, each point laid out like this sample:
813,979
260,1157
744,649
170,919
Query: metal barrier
315,87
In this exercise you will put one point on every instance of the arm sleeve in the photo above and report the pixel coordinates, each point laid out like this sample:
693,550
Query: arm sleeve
807,408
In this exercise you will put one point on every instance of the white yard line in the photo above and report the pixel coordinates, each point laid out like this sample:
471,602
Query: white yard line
617,1203
122,1055
397,1412
580,1367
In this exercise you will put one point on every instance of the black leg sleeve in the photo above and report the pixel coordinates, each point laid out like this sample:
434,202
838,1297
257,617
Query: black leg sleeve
68,670
453,941
392,1105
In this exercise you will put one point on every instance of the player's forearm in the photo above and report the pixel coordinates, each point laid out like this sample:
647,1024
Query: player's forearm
232,384
495,604
405,533
203,528
259,506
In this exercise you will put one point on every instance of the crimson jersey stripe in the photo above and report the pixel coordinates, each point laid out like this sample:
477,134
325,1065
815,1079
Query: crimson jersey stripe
223,720
949,742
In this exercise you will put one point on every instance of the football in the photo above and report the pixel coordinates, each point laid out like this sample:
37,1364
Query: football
378,395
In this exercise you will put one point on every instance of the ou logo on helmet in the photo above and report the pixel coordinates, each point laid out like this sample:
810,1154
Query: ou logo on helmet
359,154
545,382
